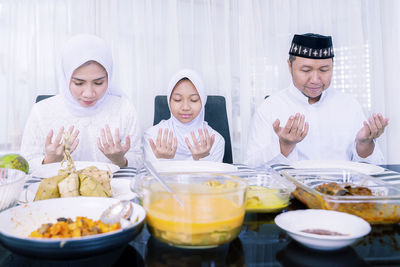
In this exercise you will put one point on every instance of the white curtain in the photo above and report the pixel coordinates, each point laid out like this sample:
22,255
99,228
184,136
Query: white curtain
240,48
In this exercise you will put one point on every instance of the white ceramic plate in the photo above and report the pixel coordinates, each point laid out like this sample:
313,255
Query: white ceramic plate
294,222
120,189
164,166
18,222
49,170
334,164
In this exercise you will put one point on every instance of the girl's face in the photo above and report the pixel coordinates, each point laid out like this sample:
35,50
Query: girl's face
185,102
88,83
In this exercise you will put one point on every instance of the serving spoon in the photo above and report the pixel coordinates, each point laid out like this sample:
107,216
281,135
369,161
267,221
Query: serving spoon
156,175
121,210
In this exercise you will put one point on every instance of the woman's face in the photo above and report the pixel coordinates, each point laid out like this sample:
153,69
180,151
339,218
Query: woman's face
89,83
185,102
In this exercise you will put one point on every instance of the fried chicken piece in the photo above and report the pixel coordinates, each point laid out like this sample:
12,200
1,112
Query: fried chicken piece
359,191
334,189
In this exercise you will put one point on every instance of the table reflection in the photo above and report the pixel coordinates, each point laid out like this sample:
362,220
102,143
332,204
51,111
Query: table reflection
294,254
161,254
261,239
118,257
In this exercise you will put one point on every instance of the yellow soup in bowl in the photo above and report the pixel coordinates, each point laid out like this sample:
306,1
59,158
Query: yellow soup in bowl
207,218
262,199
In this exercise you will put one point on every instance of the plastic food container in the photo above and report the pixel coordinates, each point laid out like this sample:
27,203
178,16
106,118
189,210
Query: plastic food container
11,185
266,192
212,212
382,207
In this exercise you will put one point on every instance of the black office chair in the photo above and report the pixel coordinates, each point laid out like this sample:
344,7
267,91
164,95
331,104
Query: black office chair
215,115
42,97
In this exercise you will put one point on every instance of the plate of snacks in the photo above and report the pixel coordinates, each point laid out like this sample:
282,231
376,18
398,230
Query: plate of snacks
53,169
73,179
118,188
66,228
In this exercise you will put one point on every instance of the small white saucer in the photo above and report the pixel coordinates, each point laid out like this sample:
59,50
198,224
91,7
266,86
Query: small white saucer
350,226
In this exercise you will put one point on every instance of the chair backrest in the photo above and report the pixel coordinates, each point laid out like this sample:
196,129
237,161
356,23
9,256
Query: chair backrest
42,97
215,115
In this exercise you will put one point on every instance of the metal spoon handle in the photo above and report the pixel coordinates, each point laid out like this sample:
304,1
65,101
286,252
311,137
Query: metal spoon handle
155,174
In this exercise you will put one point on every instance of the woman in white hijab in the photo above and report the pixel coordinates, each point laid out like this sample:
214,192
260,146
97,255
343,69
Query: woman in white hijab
185,136
102,121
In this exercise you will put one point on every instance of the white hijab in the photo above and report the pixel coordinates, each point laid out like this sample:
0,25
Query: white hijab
182,130
77,51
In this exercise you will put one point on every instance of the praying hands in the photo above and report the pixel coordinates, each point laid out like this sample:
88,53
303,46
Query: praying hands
371,130
294,132
201,149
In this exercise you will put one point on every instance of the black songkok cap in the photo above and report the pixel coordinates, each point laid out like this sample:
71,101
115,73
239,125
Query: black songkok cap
311,45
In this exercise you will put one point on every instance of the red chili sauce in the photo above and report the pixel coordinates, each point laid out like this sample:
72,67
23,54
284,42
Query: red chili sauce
321,232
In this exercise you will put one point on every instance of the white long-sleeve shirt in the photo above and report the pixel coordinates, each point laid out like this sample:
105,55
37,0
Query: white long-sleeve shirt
334,122
183,130
52,114
216,152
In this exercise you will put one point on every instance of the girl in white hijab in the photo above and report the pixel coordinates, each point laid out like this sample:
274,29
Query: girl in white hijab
185,136
95,112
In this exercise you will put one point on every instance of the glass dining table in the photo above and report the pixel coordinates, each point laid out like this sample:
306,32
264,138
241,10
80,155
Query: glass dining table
260,243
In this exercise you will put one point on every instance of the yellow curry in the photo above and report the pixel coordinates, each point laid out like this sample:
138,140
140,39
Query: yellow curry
203,221
65,228
258,198
262,199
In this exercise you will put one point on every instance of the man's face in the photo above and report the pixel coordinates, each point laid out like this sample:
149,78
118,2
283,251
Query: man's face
311,76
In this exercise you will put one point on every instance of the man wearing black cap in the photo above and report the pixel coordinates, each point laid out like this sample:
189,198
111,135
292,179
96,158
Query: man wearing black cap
318,123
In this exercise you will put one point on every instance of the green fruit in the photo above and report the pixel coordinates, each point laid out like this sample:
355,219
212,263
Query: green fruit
14,161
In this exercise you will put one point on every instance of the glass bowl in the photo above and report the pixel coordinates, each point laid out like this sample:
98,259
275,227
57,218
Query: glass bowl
212,212
379,206
266,192
11,185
